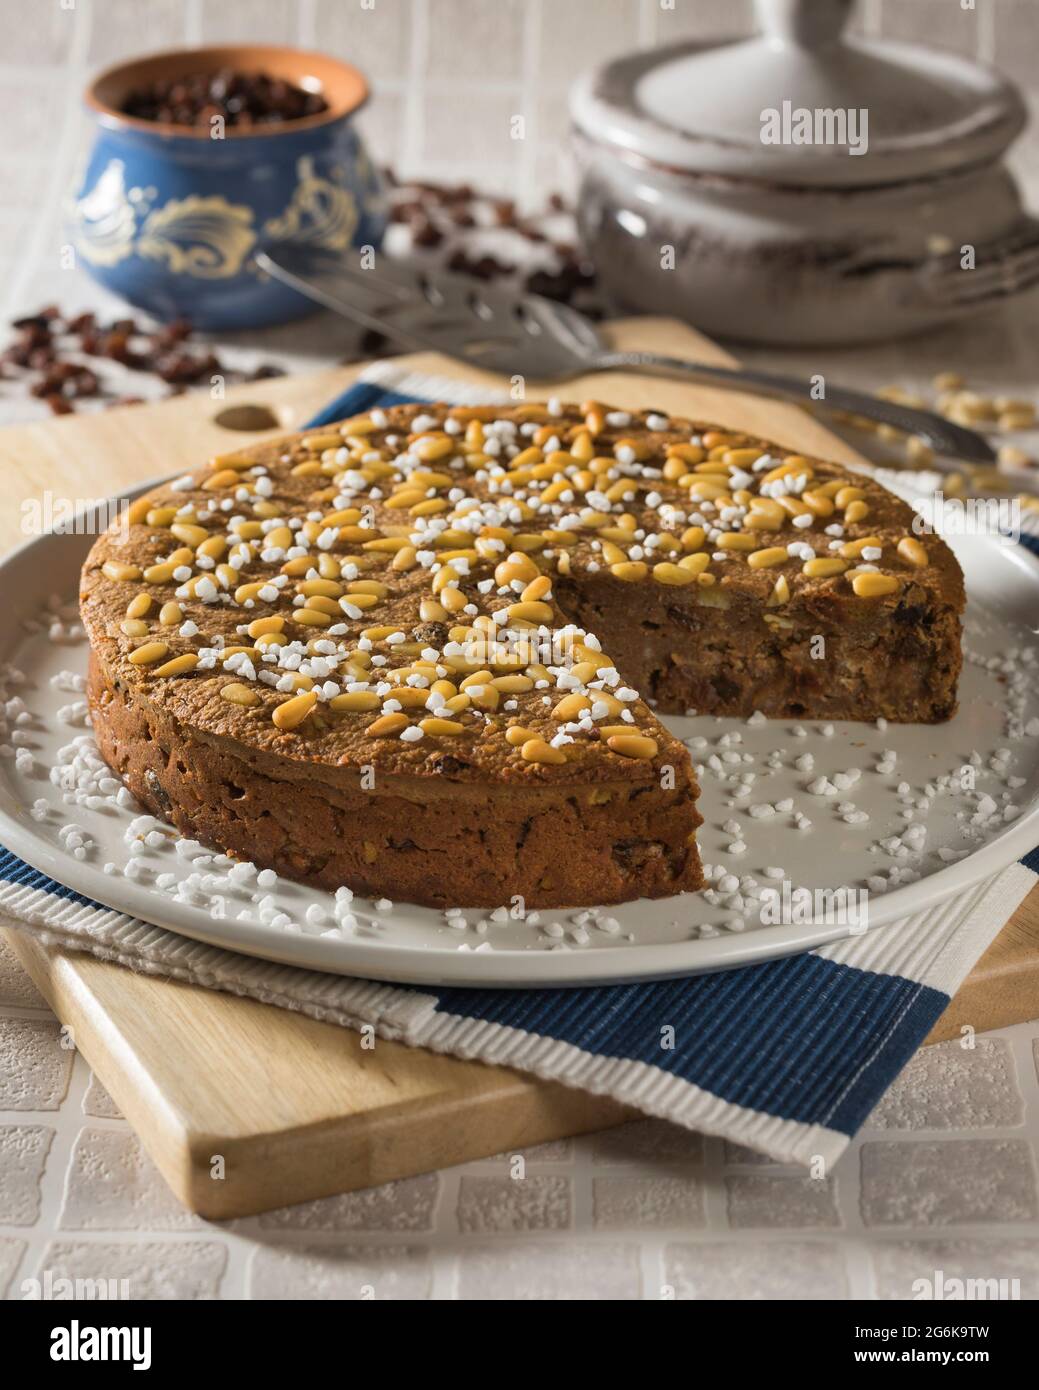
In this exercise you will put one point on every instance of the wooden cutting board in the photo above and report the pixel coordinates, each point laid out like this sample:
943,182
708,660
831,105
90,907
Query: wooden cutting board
297,1109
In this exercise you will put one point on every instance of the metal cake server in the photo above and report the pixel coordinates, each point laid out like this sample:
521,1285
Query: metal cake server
526,335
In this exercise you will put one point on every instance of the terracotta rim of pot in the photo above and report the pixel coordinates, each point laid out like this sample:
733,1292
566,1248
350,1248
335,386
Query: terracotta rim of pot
343,86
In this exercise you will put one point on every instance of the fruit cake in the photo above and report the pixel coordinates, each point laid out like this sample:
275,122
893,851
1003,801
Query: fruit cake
416,652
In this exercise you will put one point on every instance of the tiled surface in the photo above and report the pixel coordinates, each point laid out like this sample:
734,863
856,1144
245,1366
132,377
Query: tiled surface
943,1178
898,1264
23,1156
407,1205
802,1269
111,1185
533,1203
35,1066
950,1087
153,1269
759,1201
952,1182
659,1202
340,1272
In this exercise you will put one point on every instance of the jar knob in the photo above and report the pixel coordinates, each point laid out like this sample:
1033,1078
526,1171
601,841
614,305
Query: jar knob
805,23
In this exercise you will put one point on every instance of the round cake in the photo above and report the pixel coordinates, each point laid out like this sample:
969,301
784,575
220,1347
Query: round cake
414,653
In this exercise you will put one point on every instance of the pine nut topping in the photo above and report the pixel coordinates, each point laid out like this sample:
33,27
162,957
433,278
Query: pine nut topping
847,495
236,693
632,745
571,707
441,728
695,564
780,594
159,574
824,568
149,653
875,585
292,713
630,571
354,700
912,551
387,725
319,588
537,589
666,573
190,535
531,612
112,569
536,750
517,735
852,550
259,627
766,559
179,666
312,617
737,540
226,477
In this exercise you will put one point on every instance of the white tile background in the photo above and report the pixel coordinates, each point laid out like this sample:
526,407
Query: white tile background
943,1177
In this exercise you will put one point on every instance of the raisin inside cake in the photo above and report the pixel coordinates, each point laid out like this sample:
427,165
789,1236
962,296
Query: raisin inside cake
411,652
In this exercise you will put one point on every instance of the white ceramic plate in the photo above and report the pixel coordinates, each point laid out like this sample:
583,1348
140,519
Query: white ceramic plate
646,939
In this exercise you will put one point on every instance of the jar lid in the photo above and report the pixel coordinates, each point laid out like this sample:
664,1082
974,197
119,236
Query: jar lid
800,104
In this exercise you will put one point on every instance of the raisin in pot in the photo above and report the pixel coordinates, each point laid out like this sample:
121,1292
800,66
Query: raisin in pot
170,217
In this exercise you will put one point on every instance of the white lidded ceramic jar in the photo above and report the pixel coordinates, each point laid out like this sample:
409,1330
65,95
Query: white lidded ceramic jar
800,187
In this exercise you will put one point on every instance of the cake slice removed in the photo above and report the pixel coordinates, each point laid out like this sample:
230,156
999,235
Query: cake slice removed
411,653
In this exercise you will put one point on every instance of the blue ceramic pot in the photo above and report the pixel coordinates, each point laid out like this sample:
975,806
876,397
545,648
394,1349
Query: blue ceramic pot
170,218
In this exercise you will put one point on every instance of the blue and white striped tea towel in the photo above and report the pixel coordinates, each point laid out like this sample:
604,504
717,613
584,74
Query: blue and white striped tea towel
788,1057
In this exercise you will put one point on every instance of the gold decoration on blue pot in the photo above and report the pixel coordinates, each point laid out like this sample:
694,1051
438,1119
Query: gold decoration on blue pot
170,218
208,237
321,213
